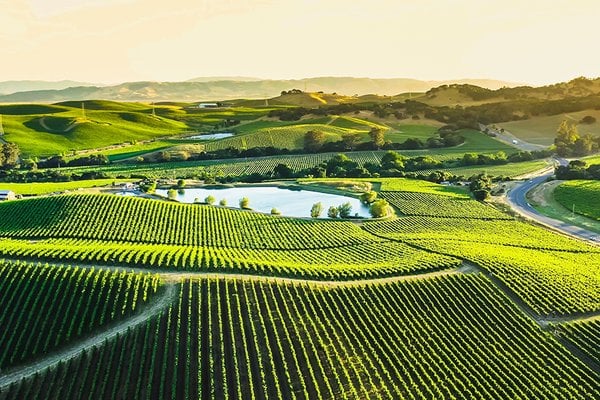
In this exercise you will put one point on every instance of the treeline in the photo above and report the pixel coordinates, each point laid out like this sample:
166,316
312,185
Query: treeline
392,164
315,141
48,175
60,161
578,169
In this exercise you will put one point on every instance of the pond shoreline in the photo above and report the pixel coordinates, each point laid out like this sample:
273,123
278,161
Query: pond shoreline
291,199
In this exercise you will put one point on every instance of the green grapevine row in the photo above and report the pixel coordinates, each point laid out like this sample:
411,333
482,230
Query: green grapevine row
350,262
109,217
448,337
550,282
431,205
505,232
585,335
44,307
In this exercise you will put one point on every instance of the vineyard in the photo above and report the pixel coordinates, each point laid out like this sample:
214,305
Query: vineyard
447,337
127,219
377,259
564,279
282,137
581,196
510,170
431,205
108,229
45,307
585,335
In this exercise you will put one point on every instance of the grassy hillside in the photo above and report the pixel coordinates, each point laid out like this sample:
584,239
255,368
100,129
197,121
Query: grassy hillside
39,133
542,130
584,196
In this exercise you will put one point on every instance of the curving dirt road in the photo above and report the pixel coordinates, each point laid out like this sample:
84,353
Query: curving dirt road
168,297
77,348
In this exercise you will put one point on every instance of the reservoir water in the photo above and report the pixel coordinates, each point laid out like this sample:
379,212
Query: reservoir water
291,203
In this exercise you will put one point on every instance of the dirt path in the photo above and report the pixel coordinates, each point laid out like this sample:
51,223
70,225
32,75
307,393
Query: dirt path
77,348
172,278
178,276
169,296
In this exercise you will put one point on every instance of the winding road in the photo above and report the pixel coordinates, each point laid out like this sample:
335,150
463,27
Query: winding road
517,199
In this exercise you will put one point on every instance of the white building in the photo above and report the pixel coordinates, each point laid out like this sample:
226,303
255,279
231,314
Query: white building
208,105
7,195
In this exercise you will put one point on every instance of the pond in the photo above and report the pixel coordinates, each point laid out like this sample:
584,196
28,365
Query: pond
211,136
291,203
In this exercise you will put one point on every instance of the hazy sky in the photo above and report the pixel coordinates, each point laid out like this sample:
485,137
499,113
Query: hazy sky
533,41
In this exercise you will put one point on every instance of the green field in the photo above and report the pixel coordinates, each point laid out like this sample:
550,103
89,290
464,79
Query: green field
511,170
39,188
67,129
592,160
581,196
443,298
105,228
542,130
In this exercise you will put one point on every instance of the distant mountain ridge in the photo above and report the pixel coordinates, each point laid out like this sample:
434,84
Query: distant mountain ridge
199,89
9,87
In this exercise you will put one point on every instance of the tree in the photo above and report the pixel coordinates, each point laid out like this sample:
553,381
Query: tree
172,194
350,140
379,209
481,186
9,155
282,171
223,203
368,197
180,183
584,145
566,136
275,211
332,212
316,210
392,160
313,141
345,210
588,119
245,203
210,200
377,137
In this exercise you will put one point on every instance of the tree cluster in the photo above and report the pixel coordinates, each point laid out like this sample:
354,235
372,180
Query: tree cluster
569,142
578,169
60,161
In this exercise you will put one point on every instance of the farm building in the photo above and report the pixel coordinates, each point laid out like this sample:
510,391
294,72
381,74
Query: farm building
7,195
208,105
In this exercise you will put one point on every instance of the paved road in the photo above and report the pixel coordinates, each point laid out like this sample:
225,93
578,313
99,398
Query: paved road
510,139
517,198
